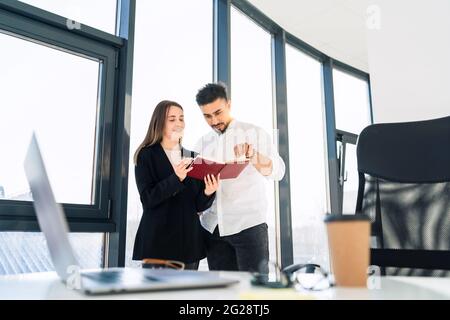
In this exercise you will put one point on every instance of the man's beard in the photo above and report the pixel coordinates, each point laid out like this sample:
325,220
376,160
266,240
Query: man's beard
216,128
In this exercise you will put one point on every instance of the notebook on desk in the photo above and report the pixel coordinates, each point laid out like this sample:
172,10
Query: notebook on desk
53,224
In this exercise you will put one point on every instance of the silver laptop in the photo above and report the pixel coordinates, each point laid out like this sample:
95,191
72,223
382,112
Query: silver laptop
53,224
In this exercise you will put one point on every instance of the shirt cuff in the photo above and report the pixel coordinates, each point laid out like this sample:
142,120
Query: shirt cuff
278,169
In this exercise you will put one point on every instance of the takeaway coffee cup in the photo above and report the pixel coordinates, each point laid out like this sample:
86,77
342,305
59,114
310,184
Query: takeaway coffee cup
348,241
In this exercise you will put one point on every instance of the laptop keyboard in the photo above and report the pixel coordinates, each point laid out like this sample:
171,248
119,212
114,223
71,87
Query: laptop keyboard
104,276
114,276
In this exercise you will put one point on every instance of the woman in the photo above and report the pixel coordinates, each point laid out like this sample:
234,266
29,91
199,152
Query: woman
170,226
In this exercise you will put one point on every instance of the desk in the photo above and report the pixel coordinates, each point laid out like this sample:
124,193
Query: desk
48,286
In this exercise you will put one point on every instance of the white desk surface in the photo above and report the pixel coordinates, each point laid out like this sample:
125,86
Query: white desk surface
48,286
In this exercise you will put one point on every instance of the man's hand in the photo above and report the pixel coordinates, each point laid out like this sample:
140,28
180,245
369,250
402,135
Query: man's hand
262,163
244,149
181,169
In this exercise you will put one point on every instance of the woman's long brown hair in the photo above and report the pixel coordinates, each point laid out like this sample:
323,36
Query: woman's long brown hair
155,129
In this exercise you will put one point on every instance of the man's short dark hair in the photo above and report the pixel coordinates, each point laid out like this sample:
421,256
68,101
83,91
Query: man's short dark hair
211,92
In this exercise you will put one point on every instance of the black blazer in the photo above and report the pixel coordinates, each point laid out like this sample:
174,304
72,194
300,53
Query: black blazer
170,226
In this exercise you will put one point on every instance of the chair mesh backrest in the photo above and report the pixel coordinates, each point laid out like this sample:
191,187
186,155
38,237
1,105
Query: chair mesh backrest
421,220
407,166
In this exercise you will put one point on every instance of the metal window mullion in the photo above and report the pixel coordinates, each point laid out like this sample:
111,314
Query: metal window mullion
369,93
222,43
284,231
330,130
115,247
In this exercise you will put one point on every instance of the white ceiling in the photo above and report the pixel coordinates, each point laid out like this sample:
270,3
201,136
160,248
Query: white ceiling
335,27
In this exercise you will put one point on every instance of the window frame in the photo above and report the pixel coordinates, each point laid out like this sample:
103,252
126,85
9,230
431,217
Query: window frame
280,38
361,75
33,24
116,79
345,137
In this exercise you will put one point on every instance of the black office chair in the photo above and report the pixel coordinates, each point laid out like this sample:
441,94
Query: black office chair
404,186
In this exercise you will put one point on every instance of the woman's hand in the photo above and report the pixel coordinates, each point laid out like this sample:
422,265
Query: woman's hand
211,184
181,169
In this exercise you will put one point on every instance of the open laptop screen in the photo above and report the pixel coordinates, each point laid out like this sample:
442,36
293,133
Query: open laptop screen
49,214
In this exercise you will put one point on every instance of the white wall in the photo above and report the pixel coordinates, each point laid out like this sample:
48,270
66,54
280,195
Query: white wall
409,59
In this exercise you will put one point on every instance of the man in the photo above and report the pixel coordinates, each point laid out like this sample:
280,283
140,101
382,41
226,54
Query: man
238,237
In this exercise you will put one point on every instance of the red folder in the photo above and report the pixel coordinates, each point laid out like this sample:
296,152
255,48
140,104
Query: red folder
227,170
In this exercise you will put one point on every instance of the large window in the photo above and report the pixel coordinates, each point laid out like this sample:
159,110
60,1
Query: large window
63,85
351,99
55,94
60,85
98,14
307,157
173,59
352,109
251,90
24,252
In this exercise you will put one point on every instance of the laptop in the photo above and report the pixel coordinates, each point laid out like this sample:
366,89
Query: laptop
53,224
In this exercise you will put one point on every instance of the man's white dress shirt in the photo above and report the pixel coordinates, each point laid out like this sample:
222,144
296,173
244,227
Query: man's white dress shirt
240,203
